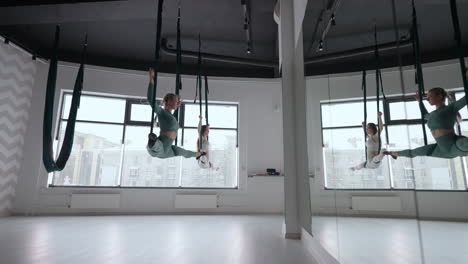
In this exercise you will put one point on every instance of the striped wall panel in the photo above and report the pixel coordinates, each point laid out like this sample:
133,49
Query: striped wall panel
17,72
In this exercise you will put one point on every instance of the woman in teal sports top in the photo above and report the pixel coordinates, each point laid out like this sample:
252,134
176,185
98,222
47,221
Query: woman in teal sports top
161,147
441,122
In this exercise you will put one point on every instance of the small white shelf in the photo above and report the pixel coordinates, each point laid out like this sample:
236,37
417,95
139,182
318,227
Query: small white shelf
255,175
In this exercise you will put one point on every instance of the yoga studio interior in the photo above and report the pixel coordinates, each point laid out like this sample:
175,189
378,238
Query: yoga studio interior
233,131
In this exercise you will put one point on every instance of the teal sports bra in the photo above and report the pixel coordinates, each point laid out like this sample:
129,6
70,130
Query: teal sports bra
443,117
167,121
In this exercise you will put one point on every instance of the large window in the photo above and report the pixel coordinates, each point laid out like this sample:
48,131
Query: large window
344,144
110,146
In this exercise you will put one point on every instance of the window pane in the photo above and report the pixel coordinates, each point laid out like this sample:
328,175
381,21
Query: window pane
343,149
94,108
222,116
426,172
398,111
460,178
95,156
349,114
223,156
141,169
140,112
98,158
372,112
463,111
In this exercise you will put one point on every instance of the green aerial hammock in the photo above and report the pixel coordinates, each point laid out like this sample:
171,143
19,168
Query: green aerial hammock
198,87
178,64
373,152
379,87
152,101
178,84
206,99
364,91
162,147
457,35
419,72
47,147
203,161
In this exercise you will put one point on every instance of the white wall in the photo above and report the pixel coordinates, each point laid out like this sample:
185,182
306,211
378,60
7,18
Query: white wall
447,205
17,71
260,143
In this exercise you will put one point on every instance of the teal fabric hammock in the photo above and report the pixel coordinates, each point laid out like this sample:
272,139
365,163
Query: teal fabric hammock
151,138
379,88
419,72
364,91
198,88
178,84
47,147
458,39
204,161
207,91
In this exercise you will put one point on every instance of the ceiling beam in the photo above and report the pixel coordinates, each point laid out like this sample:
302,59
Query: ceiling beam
85,11
7,3
359,52
218,58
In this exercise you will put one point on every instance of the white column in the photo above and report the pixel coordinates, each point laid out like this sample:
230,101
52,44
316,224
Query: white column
296,181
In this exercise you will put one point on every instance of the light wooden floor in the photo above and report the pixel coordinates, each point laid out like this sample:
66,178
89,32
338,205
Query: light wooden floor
224,239
392,241
148,239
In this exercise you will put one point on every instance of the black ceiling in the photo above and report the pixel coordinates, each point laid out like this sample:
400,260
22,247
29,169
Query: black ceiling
122,33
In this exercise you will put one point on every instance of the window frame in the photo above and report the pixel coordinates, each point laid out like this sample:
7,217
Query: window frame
129,101
388,122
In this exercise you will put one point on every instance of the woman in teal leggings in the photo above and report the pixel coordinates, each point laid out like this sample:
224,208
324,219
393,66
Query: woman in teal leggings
441,122
161,147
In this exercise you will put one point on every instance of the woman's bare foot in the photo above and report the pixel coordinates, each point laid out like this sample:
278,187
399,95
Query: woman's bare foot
391,153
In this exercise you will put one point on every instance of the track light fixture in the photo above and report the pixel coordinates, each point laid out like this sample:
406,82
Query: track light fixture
246,10
332,8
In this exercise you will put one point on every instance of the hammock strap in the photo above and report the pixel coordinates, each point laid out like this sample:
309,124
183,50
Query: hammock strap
419,72
156,60
65,151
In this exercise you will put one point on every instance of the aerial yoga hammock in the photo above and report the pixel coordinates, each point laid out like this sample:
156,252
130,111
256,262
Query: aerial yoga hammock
442,120
47,147
162,147
203,145
374,155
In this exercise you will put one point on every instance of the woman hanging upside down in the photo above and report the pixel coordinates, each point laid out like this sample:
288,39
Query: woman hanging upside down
374,158
441,122
161,147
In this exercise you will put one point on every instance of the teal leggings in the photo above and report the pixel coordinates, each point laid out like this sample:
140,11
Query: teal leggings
164,149
447,147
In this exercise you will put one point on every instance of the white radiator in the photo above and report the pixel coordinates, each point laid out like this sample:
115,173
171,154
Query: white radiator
190,201
376,203
100,201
